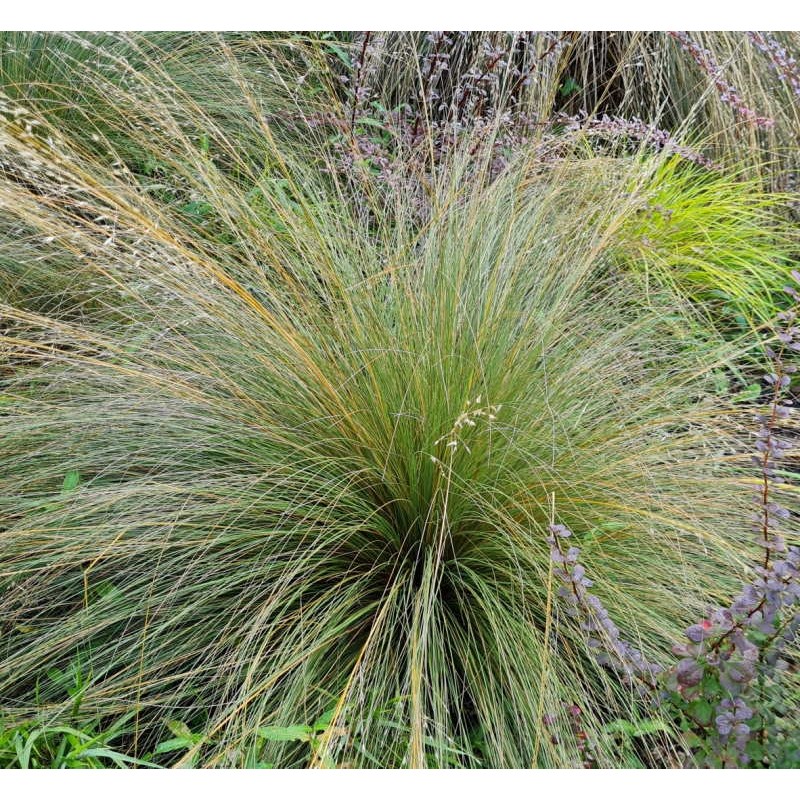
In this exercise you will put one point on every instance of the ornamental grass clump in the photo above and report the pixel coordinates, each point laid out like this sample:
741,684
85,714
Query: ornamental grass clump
274,464
715,237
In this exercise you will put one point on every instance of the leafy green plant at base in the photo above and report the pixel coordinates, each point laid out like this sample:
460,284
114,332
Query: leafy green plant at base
86,743
61,747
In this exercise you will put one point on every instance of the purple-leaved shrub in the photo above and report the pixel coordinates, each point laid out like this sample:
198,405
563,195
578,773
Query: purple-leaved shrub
784,63
478,102
724,692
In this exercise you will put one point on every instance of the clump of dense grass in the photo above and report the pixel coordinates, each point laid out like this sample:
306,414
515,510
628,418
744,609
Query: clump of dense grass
711,236
272,457
281,443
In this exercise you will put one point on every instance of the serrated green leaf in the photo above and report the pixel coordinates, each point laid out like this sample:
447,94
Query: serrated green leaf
693,741
641,727
570,86
343,56
756,722
622,726
755,750
375,123
324,720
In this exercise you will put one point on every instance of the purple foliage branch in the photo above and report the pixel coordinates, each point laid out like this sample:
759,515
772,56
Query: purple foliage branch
741,645
435,66
635,129
784,64
718,682
727,92
603,636
360,89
